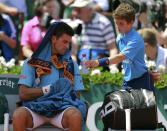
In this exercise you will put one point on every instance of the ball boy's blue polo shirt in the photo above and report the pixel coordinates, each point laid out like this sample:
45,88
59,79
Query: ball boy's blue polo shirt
131,45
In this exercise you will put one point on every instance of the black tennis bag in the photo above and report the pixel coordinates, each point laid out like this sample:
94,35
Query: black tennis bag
143,109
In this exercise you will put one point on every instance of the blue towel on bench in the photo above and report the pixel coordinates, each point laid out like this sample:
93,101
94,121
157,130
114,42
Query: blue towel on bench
60,97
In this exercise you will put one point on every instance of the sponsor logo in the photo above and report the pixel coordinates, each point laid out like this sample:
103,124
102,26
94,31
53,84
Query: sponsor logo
6,82
23,77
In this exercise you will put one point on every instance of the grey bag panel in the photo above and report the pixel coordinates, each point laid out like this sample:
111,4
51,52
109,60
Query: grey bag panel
132,99
149,97
122,99
139,100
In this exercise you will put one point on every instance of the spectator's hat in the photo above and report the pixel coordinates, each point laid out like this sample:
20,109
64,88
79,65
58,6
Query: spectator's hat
80,3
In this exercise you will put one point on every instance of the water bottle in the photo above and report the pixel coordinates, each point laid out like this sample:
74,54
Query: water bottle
84,70
6,122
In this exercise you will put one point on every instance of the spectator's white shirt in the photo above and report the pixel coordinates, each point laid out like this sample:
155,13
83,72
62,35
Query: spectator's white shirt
161,60
162,57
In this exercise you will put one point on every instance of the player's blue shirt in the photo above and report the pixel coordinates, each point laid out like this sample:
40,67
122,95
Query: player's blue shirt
132,46
28,78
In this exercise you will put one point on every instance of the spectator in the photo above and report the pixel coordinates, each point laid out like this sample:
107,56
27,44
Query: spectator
163,36
154,52
9,10
16,6
66,10
101,5
142,17
97,38
34,30
51,96
37,26
131,47
53,8
17,10
7,37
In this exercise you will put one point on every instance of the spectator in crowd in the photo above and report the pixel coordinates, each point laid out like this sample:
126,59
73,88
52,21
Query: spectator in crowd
142,17
53,8
49,85
66,10
34,30
163,36
101,5
7,37
45,11
97,38
9,10
154,52
15,6
131,47
17,10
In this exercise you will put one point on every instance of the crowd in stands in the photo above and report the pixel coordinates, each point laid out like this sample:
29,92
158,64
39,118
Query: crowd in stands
23,25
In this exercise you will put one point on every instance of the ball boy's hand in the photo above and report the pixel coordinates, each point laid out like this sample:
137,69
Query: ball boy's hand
155,75
91,63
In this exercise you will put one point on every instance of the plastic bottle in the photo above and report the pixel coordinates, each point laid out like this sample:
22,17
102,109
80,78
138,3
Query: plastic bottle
84,70
6,122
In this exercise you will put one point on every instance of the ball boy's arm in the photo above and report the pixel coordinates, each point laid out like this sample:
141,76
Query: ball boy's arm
105,61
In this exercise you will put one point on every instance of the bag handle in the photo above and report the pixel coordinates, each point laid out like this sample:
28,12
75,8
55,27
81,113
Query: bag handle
160,125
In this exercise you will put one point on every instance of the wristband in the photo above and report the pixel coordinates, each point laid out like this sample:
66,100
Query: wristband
46,89
103,61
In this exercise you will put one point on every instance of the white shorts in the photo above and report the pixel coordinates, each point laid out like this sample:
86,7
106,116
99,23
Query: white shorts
39,120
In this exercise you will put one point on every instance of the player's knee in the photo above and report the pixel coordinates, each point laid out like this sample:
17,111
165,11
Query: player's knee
20,115
73,115
76,115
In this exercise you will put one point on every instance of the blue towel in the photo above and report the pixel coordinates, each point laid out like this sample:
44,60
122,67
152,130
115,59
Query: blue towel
60,97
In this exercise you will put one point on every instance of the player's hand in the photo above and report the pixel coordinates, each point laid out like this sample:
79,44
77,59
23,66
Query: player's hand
91,63
46,89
